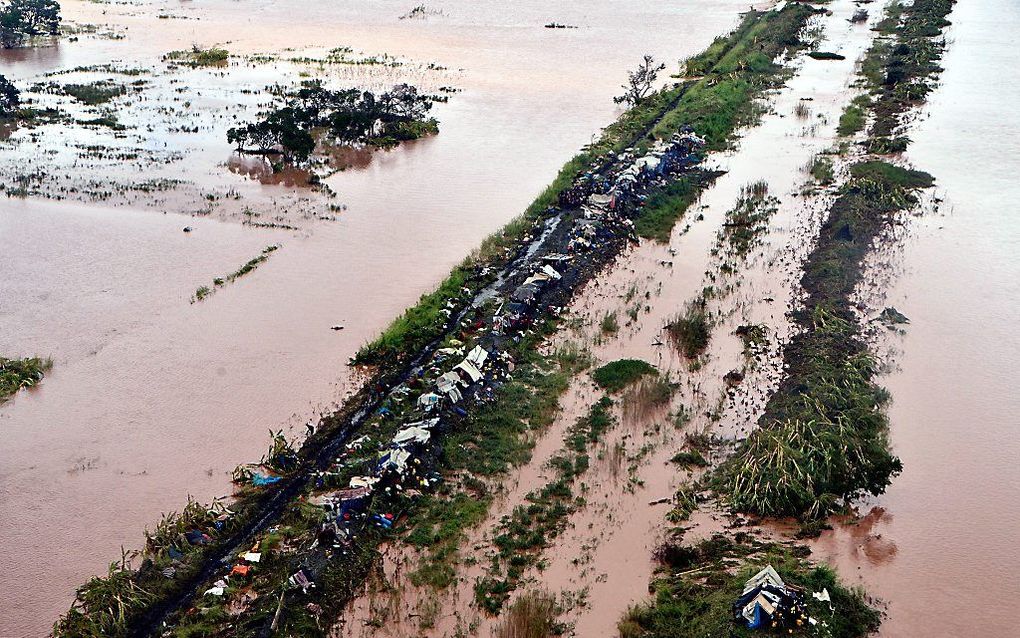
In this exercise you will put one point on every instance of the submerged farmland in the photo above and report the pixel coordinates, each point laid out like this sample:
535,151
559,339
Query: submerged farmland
516,284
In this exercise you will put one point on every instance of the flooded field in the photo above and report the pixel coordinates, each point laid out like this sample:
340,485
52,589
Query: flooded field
153,398
944,536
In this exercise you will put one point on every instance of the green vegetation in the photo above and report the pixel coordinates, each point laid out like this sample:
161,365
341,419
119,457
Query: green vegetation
618,374
609,324
748,218
96,92
689,458
854,116
16,374
823,438
690,331
695,587
821,170
533,615
520,537
21,20
902,73
736,69
198,56
10,98
348,116
204,291
889,177
664,208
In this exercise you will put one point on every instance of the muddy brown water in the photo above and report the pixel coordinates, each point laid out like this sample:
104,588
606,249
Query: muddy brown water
152,398
942,546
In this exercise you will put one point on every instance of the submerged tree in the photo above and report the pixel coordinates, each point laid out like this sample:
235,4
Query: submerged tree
639,81
347,116
22,19
10,97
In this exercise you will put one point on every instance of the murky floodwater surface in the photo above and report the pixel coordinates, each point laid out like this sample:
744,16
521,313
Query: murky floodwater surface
152,398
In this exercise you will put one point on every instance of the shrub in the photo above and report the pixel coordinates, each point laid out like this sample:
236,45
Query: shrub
617,375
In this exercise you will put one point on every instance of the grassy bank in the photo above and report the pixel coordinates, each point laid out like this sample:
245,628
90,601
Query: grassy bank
823,438
735,71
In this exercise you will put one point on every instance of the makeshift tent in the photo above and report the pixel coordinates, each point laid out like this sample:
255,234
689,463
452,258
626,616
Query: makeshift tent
768,602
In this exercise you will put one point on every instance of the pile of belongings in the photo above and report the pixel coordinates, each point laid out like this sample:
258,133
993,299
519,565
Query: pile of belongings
769,603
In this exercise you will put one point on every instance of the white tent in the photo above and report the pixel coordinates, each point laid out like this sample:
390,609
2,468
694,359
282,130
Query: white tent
768,575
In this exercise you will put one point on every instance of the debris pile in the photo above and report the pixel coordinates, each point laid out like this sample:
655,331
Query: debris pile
769,603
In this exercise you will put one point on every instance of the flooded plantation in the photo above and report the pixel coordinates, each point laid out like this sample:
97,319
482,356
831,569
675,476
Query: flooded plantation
599,402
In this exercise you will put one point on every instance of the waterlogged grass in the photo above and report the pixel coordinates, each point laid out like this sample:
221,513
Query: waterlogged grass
690,331
854,116
824,437
196,57
695,587
95,93
617,375
520,537
16,374
664,208
203,292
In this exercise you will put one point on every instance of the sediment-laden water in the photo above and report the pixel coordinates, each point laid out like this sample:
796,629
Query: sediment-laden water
152,398
941,546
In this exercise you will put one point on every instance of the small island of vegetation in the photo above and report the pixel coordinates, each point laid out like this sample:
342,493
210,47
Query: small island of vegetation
346,117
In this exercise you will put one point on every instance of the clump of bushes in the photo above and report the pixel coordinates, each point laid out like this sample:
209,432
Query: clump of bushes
95,93
348,116
690,331
617,375
16,374
198,56
24,19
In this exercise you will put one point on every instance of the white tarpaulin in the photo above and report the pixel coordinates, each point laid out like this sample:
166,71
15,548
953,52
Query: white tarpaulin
478,355
395,460
469,369
768,575
428,401
427,423
447,381
549,270
412,435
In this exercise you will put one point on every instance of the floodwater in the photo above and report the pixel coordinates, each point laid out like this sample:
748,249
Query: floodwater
602,562
941,548
153,398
